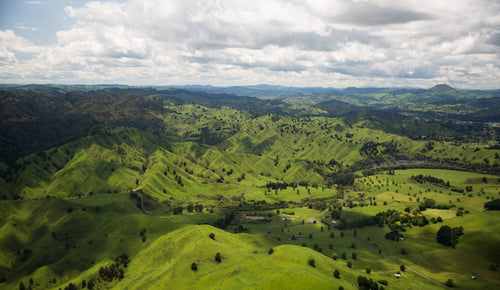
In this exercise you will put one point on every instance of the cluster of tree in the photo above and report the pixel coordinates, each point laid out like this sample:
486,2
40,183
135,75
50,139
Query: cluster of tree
343,178
280,185
369,149
115,270
366,221
228,219
178,179
492,205
431,203
448,236
394,235
431,179
368,284
397,220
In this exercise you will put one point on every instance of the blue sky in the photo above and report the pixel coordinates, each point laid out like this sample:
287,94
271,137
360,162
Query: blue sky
334,43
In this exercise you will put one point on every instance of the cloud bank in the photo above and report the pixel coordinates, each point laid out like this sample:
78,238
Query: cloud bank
301,43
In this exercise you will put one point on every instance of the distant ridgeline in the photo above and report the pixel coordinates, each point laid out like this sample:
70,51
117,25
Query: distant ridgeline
35,117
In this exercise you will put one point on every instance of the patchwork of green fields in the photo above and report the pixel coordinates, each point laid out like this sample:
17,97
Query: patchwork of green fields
157,198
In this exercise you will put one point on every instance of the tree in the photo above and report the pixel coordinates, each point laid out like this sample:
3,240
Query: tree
218,258
404,251
335,257
368,270
354,256
178,210
311,263
271,251
450,283
22,286
349,264
402,268
336,274
429,203
343,256
194,267
190,208
90,284
84,284
212,236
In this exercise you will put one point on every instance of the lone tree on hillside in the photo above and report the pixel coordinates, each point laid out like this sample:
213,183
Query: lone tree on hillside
218,259
311,263
450,283
212,236
336,274
194,267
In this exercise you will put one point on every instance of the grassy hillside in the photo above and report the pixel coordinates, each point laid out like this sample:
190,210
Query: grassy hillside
221,147
306,185
68,247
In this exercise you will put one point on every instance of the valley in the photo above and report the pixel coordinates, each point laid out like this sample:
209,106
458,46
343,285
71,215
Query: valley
122,188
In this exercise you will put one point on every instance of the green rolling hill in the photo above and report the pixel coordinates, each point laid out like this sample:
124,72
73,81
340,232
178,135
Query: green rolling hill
126,187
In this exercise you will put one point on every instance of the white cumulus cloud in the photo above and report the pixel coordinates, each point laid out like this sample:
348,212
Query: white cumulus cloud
316,42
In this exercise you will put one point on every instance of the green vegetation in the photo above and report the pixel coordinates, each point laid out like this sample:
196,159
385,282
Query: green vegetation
165,187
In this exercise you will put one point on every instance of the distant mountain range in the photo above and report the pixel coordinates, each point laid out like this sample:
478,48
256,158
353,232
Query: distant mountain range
276,91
